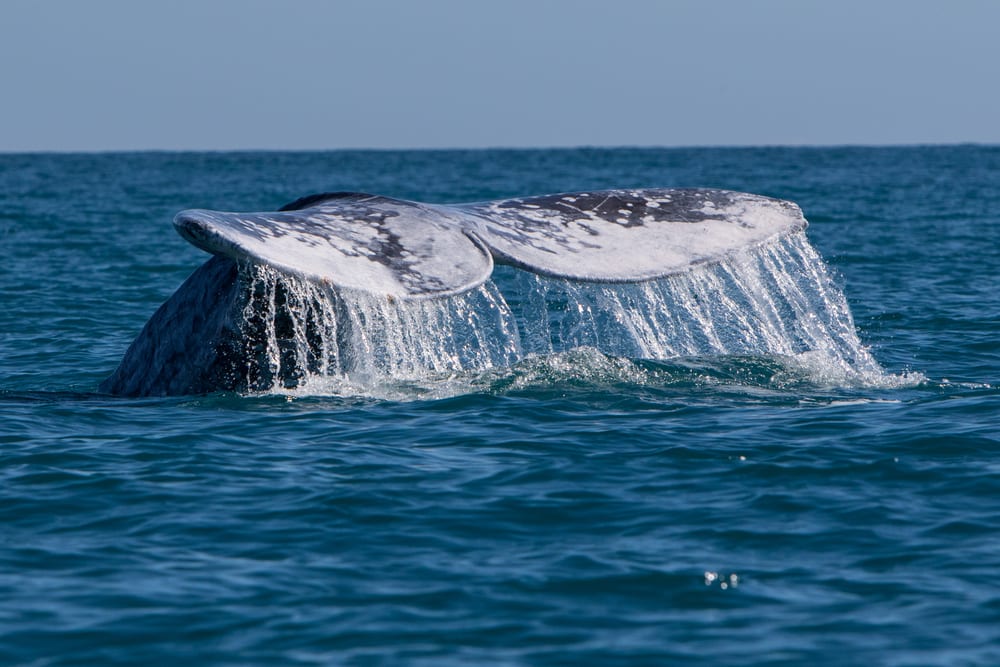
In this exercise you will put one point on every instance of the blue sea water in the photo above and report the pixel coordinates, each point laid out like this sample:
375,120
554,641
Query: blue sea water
574,509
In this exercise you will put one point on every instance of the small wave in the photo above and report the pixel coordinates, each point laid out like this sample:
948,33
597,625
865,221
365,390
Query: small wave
589,369
822,370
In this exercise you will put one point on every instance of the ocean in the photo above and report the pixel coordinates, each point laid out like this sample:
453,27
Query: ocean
576,507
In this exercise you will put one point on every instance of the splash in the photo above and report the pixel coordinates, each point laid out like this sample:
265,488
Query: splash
292,333
775,300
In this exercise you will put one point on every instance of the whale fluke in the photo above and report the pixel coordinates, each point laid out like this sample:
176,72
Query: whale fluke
354,241
629,235
412,250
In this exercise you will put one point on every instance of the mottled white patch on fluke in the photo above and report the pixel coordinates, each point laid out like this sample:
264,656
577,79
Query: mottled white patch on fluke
630,235
411,250
373,244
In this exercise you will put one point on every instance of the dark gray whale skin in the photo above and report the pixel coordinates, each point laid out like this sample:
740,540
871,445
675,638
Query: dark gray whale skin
178,350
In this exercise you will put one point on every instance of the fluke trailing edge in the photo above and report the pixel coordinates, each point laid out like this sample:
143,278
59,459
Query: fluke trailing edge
344,246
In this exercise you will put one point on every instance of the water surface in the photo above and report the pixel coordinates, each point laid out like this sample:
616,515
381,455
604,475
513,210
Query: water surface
573,508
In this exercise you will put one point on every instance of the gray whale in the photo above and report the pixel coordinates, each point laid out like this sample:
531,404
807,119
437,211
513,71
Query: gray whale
405,251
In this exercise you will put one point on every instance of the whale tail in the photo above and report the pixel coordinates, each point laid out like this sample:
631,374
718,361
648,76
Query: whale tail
411,250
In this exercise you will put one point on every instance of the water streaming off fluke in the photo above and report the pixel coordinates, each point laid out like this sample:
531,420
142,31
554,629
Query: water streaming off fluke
773,300
358,292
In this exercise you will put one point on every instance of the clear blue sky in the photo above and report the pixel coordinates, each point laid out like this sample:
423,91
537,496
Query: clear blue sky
309,74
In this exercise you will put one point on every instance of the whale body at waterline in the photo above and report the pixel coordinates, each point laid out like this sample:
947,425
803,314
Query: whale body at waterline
331,267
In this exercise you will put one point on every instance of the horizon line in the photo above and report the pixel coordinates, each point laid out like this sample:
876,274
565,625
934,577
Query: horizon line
457,149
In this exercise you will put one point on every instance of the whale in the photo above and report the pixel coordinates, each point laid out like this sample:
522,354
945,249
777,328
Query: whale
398,251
